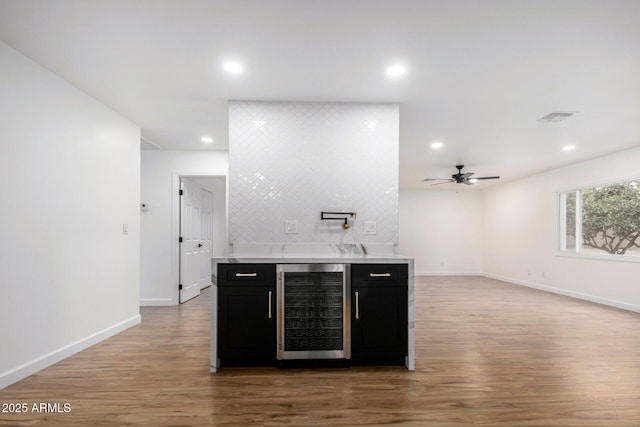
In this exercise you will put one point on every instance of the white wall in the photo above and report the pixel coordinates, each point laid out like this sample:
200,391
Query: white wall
520,223
441,230
293,160
70,169
159,233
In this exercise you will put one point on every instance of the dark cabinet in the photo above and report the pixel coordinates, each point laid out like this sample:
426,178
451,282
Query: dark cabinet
246,314
379,310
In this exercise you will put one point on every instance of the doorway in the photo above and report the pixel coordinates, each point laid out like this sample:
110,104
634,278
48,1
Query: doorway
200,227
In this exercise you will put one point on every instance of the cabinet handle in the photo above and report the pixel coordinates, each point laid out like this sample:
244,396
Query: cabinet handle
270,293
246,274
357,306
379,274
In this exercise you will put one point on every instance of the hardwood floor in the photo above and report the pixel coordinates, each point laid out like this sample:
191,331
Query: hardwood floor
487,354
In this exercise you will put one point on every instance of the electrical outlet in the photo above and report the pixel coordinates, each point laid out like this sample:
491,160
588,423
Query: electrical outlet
370,227
291,226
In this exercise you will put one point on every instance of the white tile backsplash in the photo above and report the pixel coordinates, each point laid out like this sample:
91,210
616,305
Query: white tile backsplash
292,160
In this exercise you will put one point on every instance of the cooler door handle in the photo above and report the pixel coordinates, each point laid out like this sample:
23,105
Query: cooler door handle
357,305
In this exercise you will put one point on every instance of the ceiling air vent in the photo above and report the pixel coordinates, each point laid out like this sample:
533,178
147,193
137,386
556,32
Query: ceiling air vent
556,116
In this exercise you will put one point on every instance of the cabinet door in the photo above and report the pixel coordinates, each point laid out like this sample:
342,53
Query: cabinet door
247,324
379,324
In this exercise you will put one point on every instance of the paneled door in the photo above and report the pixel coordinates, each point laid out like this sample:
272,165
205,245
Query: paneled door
190,244
206,236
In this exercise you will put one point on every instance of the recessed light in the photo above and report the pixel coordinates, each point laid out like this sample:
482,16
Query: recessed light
396,70
206,139
436,145
473,180
568,148
233,67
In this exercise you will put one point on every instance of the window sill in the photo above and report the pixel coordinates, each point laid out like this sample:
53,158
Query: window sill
603,257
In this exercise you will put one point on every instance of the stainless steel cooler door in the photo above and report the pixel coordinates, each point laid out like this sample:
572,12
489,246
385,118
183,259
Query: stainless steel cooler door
313,311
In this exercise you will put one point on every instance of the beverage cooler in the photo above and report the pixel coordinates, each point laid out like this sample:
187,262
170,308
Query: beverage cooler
313,311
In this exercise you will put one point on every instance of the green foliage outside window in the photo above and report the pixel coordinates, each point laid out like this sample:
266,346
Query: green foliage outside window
610,217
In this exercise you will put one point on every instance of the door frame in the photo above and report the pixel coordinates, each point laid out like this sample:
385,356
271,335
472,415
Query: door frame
175,221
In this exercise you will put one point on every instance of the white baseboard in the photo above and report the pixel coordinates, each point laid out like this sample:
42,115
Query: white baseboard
157,302
448,273
14,375
572,294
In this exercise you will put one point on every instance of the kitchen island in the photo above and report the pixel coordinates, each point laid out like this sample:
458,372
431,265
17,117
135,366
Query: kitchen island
342,302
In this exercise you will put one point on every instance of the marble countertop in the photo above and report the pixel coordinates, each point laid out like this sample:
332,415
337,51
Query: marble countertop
316,253
315,259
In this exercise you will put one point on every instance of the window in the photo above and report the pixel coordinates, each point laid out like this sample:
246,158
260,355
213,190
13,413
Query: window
601,220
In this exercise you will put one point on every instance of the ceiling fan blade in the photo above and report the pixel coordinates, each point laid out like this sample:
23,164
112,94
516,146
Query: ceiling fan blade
437,179
467,174
446,182
487,177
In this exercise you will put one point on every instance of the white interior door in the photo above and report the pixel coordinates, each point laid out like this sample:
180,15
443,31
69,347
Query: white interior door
190,245
206,236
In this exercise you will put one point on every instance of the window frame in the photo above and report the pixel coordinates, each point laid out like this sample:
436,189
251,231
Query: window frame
561,218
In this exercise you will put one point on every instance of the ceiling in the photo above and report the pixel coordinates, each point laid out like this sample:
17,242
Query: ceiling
479,73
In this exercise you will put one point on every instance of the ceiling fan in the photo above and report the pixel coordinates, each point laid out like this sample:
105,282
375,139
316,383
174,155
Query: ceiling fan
460,178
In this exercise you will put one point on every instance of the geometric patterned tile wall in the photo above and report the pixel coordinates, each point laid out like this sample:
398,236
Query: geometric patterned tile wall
292,160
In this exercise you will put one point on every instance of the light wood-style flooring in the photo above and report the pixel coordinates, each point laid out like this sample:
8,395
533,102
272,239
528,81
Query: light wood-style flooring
487,354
